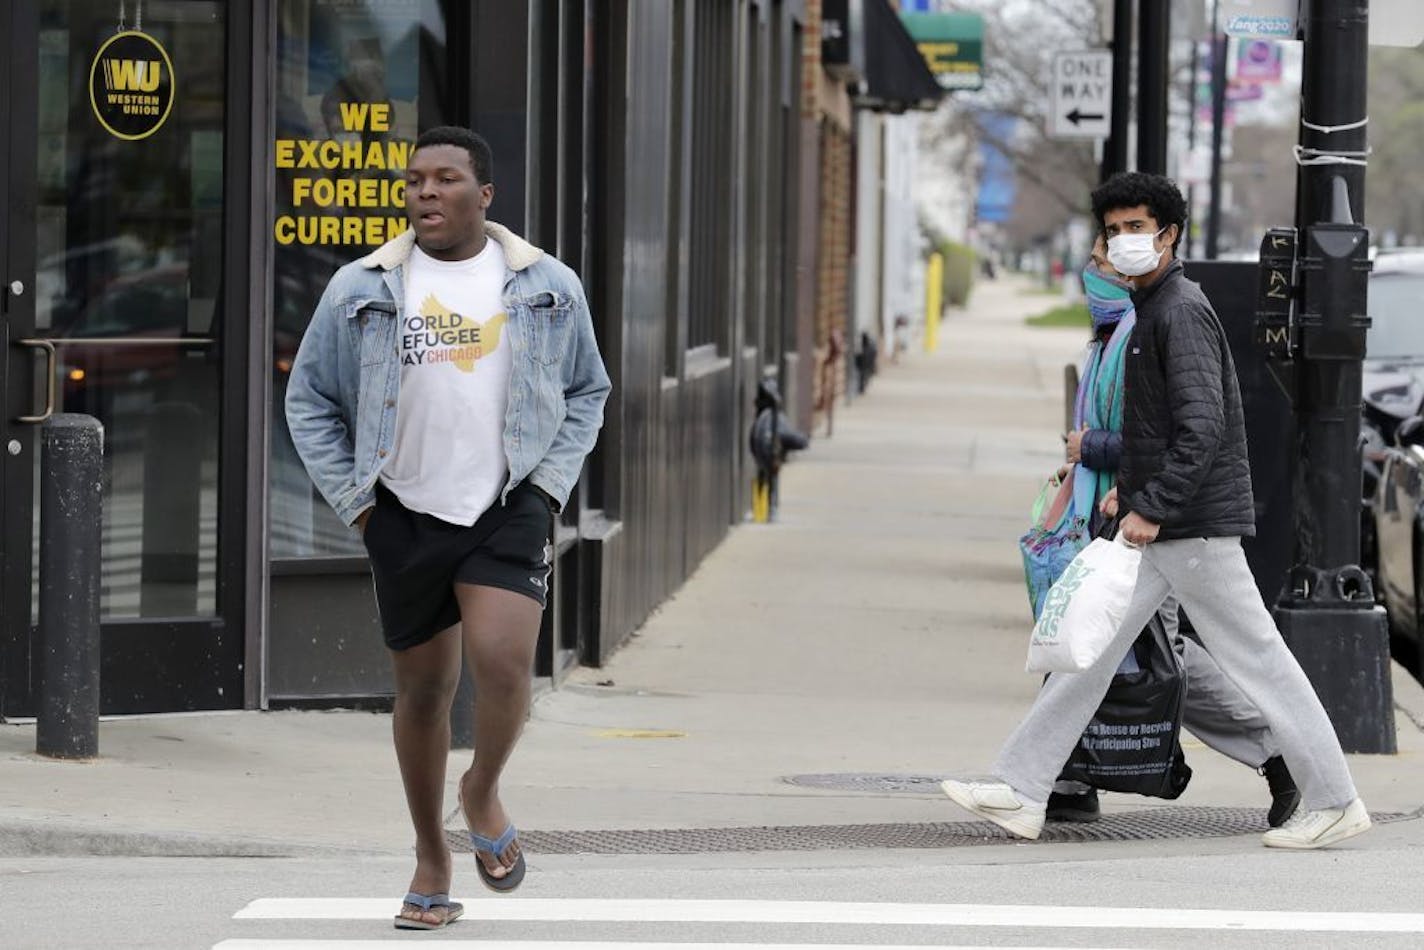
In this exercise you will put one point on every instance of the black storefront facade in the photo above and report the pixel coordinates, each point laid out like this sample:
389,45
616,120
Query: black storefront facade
182,177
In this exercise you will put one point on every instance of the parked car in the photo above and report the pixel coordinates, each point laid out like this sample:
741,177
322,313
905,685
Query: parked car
1392,535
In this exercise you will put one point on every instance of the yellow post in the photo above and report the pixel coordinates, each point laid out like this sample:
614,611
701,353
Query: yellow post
761,500
934,290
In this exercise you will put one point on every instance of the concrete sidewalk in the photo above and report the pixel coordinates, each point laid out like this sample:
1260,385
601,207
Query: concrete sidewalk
878,627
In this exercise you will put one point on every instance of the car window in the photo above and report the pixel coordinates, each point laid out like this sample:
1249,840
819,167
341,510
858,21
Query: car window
1397,311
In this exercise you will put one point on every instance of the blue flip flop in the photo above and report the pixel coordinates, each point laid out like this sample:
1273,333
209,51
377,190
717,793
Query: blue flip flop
428,902
514,875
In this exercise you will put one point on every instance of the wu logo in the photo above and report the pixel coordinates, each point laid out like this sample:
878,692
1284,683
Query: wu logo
132,75
132,85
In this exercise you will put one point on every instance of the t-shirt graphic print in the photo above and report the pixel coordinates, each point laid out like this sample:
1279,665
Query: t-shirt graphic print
449,458
437,334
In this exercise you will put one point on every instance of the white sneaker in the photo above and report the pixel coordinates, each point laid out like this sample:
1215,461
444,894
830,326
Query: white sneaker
1318,829
999,803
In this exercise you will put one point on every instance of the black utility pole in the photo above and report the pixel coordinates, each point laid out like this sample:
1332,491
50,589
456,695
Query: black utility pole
1115,148
1328,615
1188,241
1153,39
1220,45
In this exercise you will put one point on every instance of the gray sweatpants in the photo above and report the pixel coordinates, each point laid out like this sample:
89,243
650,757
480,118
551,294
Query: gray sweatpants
1214,710
1211,579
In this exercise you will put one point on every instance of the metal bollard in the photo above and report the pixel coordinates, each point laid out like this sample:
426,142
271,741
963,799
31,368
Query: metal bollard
71,492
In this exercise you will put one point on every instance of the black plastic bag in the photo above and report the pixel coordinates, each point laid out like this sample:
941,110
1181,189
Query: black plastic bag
1133,743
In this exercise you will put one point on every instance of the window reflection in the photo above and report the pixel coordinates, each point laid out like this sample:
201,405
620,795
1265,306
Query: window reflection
348,105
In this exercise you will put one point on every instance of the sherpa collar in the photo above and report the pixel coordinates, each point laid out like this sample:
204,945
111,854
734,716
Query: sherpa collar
518,253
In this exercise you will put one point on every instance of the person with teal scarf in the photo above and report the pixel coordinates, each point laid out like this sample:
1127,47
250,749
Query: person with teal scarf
1065,525
1215,710
1096,443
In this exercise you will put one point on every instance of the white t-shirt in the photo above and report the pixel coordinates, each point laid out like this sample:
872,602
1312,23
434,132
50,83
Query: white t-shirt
449,456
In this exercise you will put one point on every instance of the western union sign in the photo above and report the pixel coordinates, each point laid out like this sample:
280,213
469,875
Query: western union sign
131,85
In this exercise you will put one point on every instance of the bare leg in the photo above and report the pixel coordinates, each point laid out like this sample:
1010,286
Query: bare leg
501,631
426,677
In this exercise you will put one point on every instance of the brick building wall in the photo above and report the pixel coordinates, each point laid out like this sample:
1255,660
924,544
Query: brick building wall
825,105
833,272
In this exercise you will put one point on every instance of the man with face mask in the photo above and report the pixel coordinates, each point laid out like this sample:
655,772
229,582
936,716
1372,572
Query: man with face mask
1184,488
1214,708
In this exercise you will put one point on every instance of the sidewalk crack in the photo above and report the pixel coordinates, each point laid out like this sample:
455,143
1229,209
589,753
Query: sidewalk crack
1411,716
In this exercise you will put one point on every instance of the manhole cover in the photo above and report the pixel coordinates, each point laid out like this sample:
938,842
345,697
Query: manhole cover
1152,824
870,782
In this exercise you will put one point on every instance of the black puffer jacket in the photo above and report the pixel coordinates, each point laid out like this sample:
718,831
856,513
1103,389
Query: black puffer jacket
1184,463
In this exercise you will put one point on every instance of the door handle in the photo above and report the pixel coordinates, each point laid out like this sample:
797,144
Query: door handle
47,347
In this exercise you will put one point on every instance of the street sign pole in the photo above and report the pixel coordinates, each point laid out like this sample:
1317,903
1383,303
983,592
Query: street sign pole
1328,614
1115,149
1153,42
1220,45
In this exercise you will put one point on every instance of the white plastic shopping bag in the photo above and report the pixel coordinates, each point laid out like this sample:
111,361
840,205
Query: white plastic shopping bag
1084,608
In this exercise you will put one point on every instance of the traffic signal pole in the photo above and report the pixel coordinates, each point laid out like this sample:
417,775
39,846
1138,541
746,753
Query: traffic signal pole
1328,614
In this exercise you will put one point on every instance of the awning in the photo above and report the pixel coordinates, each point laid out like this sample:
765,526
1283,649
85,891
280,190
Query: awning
896,77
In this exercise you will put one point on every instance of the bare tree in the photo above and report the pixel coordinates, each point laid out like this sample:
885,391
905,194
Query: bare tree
1020,38
1394,202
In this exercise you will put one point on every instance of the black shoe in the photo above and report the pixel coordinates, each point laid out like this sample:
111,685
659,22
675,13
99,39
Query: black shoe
1285,797
1080,808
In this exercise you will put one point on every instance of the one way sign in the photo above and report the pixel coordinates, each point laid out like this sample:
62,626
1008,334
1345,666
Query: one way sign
1081,95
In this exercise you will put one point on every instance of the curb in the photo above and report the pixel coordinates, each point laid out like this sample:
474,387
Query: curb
46,838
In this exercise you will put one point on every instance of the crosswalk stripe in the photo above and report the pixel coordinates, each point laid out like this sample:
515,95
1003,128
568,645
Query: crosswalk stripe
285,944
826,912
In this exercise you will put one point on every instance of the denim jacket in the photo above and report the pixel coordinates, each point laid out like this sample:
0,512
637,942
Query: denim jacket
345,381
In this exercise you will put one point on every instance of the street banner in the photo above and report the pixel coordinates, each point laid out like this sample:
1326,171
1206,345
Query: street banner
1237,91
1258,61
1268,19
998,182
1392,22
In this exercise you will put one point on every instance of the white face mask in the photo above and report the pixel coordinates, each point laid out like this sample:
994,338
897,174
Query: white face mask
1133,255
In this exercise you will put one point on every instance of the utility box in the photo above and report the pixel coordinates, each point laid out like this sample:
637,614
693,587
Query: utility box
1232,287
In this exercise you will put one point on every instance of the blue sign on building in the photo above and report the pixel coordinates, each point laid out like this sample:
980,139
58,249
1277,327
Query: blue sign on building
998,185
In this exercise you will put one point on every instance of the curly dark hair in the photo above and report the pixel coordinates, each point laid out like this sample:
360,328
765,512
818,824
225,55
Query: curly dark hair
481,158
1160,194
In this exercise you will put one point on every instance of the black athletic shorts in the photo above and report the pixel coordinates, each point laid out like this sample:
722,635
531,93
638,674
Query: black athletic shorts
416,559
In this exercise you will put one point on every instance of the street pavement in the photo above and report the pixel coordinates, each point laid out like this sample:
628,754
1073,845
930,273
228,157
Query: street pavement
756,766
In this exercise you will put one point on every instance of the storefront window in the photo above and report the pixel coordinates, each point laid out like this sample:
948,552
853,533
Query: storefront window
356,81
129,246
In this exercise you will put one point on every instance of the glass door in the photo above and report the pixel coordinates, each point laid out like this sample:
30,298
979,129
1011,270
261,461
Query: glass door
119,232
354,83
14,663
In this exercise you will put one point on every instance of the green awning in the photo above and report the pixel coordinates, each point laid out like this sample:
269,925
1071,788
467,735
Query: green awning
952,45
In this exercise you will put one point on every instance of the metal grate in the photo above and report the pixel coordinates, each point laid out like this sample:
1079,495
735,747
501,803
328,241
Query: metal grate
1153,824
